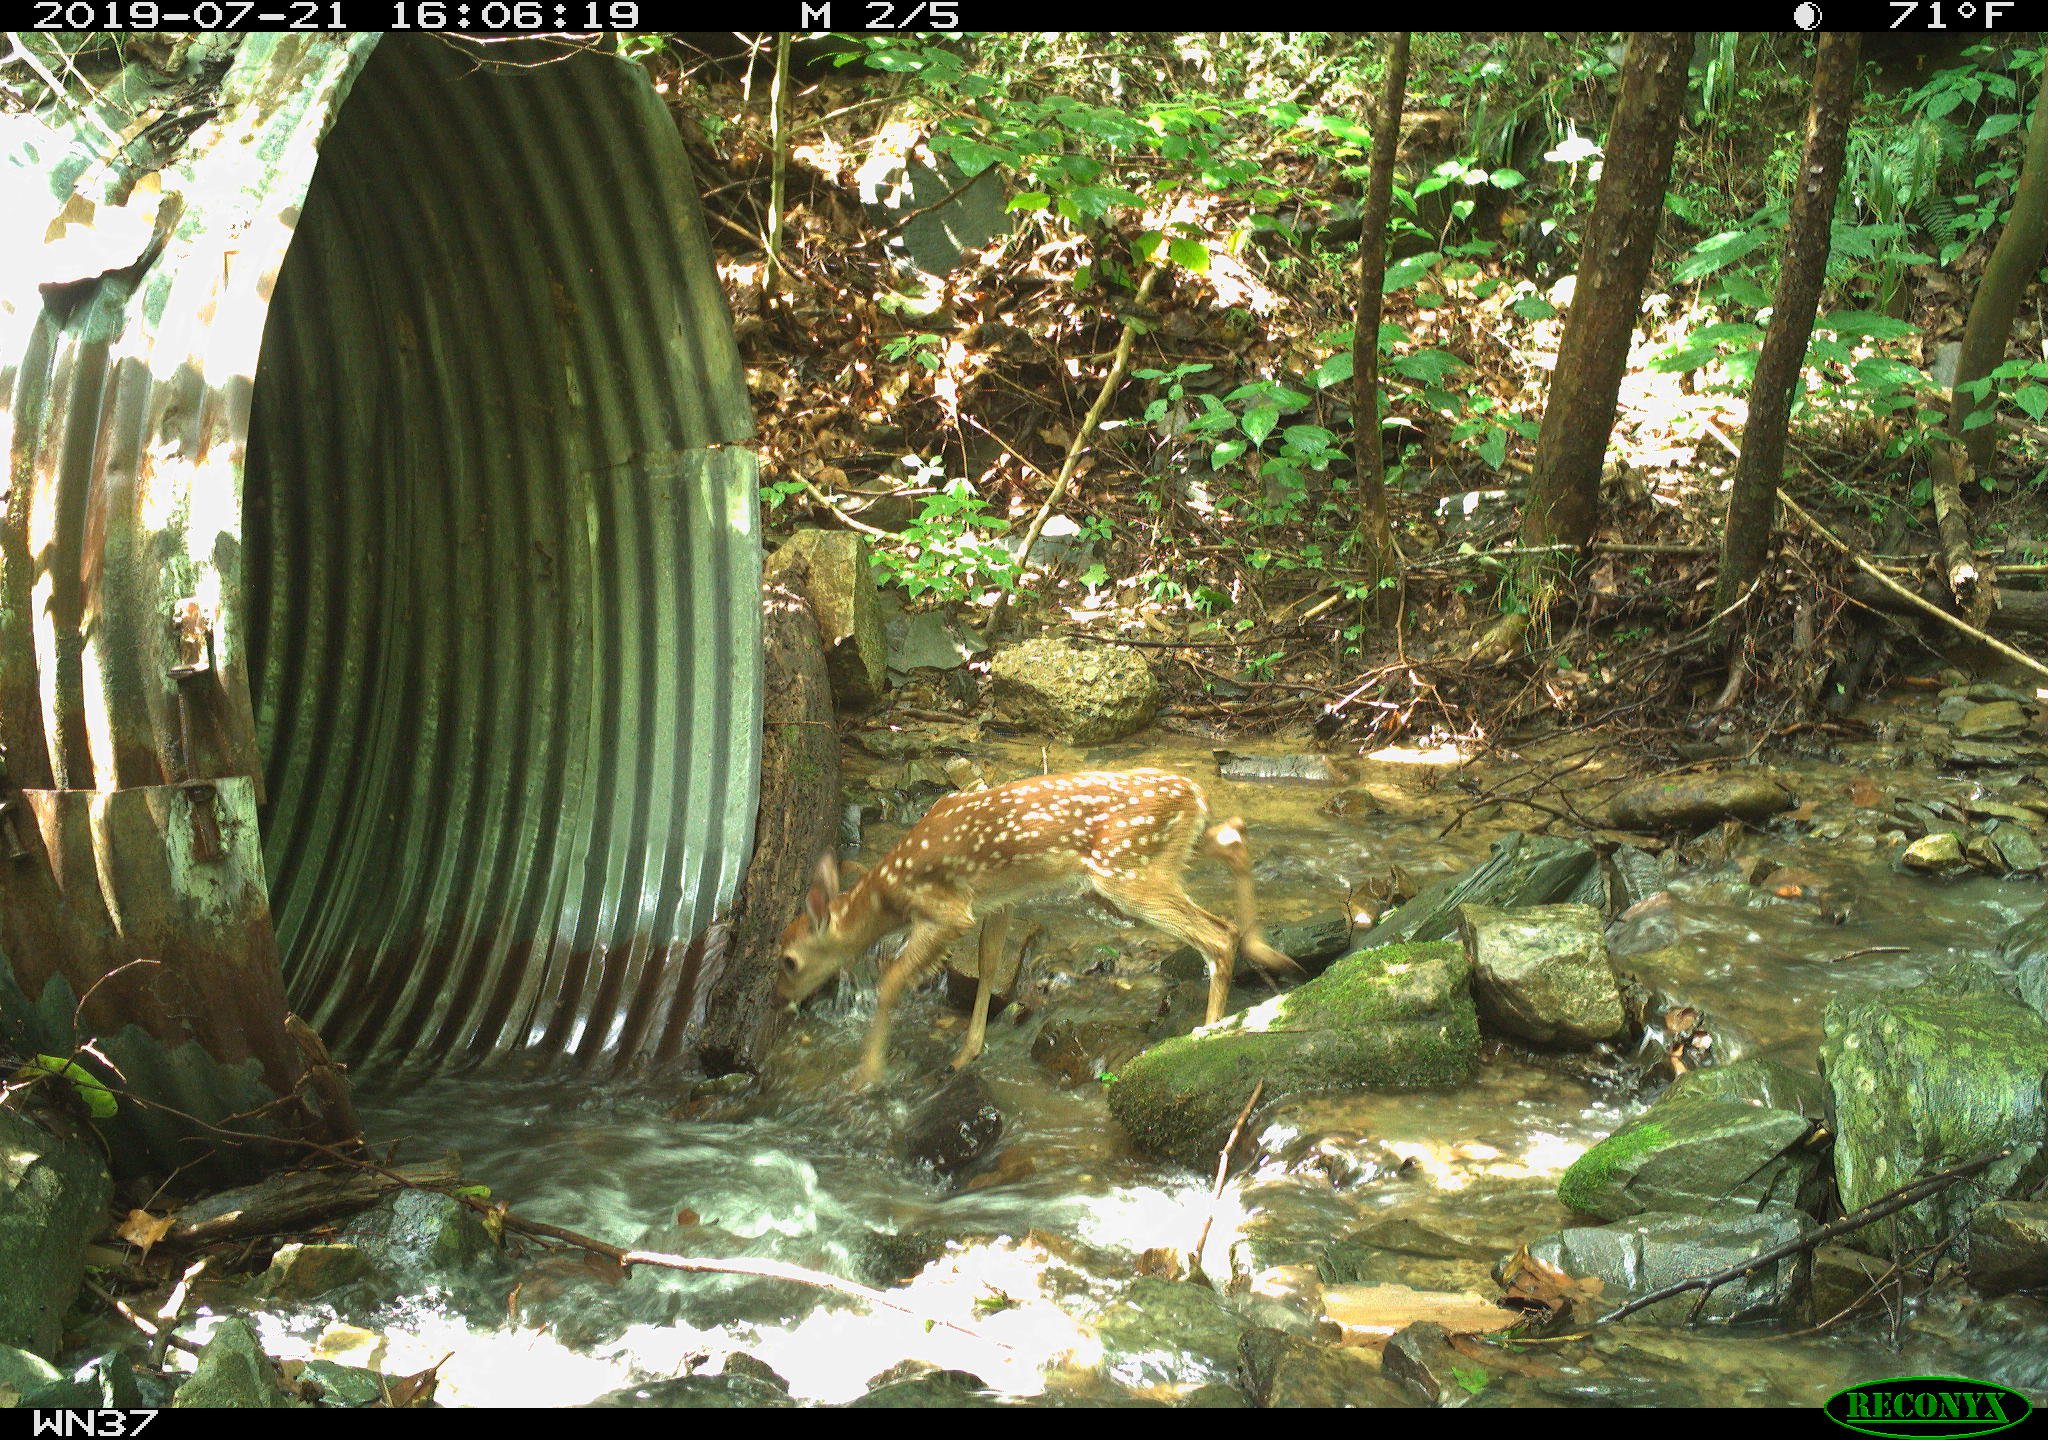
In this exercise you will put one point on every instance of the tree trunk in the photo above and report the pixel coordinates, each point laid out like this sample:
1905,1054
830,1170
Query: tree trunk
2006,275
1375,531
797,821
1564,490
1752,505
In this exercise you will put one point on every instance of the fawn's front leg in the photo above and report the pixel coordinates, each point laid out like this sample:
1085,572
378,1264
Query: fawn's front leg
926,946
994,927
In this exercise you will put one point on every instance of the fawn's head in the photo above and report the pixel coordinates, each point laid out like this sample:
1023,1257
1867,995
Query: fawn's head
813,947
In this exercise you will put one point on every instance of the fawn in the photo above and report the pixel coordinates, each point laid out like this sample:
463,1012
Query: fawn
1125,835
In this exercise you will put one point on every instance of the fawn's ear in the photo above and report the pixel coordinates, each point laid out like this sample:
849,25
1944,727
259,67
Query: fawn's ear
823,892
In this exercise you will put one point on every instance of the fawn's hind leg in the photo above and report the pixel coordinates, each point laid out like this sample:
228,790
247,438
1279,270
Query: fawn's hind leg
994,927
1157,898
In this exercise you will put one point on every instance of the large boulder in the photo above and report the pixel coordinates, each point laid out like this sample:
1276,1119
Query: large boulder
53,1199
1924,1078
1735,1133
1084,694
830,569
1396,1016
1541,973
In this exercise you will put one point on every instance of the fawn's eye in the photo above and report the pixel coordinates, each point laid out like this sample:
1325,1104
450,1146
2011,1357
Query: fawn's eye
789,965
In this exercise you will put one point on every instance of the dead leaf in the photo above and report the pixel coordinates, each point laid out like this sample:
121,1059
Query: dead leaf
413,1391
1864,793
142,1229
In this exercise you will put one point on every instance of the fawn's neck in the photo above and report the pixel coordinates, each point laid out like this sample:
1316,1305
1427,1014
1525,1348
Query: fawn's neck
865,914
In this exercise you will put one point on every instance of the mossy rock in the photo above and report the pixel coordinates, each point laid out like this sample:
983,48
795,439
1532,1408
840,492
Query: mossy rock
1713,1137
1397,1016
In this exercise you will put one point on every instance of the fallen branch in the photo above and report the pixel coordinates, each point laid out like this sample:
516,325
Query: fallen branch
1222,1171
297,1200
1899,1199
1918,603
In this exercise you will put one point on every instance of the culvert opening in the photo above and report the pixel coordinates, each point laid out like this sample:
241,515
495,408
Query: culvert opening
501,570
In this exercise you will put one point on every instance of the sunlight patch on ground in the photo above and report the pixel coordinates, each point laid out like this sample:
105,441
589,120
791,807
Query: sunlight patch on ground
1446,752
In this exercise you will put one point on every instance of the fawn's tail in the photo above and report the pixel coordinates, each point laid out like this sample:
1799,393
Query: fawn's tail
1226,842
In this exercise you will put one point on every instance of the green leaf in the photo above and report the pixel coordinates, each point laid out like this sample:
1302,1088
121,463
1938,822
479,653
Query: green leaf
1029,200
98,1100
1333,371
1191,255
1407,272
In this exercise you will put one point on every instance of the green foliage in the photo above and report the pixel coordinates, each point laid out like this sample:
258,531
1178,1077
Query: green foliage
949,551
920,349
97,1099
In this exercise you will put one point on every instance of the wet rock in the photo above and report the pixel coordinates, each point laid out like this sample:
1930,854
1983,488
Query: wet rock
1843,1277
696,1392
1169,1332
1286,1372
1921,1079
105,1382
1542,973
2009,1246
936,1390
1694,802
1637,875
2019,853
22,1373
1647,1252
830,568
1079,1052
347,1387
894,1257
1085,694
1980,754
2024,953
1313,943
233,1372
1982,722
1756,1081
1937,854
1357,803
53,1200
1302,769
753,1368
1522,870
306,1272
1396,1016
1703,1145
419,1237
1421,1358
955,1127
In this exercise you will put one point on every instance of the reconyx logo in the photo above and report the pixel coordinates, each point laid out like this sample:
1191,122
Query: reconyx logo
1913,1406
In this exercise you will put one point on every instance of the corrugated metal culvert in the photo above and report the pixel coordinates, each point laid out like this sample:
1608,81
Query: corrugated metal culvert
378,568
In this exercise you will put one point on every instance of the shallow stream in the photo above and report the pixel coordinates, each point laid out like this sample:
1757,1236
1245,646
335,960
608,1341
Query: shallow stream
1037,1248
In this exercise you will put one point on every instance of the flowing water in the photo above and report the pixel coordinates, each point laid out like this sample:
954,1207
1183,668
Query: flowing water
1038,1250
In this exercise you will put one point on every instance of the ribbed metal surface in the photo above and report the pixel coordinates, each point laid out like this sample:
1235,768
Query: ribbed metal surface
507,672
485,578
